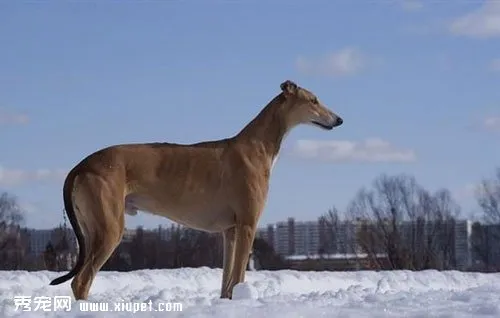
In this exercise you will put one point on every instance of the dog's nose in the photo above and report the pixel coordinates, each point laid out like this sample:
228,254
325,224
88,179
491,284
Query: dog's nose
339,121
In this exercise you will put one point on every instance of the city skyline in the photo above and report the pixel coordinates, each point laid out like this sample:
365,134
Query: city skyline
305,233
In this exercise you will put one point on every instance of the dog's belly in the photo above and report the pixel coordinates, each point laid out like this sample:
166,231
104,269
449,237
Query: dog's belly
200,217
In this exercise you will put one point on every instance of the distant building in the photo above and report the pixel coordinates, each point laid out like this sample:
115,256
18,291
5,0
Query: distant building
299,239
347,242
487,256
307,238
462,242
283,242
38,240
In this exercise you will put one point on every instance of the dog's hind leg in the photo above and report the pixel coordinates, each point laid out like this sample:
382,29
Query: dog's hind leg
101,211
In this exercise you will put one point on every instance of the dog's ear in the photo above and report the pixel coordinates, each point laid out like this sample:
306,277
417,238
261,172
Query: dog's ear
288,87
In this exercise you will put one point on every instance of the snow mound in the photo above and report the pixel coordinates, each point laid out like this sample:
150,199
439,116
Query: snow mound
245,291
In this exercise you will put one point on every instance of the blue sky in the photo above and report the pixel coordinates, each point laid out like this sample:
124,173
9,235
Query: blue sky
416,83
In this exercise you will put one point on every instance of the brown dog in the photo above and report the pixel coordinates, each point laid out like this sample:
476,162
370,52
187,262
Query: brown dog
213,186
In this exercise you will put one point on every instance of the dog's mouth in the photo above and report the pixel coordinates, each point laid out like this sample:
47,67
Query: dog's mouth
327,127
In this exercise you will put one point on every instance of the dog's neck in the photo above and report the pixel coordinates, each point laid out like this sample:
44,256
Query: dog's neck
268,129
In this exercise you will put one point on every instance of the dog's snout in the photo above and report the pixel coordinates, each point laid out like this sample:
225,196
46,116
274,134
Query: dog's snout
339,121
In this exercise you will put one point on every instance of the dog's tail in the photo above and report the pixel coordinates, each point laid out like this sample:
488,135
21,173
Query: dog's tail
70,211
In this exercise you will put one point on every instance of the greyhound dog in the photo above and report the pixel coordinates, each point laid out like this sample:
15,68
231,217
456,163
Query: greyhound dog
213,186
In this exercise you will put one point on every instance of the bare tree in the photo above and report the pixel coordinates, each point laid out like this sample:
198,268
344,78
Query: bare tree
379,213
138,249
485,235
50,257
12,250
488,198
400,219
329,227
62,247
480,246
437,220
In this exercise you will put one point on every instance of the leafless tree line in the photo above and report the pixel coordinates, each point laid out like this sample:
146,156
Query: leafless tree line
12,248
486,234
396,223
407,223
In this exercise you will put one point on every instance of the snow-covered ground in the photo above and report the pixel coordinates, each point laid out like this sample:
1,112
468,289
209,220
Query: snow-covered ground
270,294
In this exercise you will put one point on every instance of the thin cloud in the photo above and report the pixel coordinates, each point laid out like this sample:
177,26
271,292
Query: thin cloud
13,177
29,207
470,191
492,123
345,62
370,150
9,117
484,22
466,192
495,65
410,5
